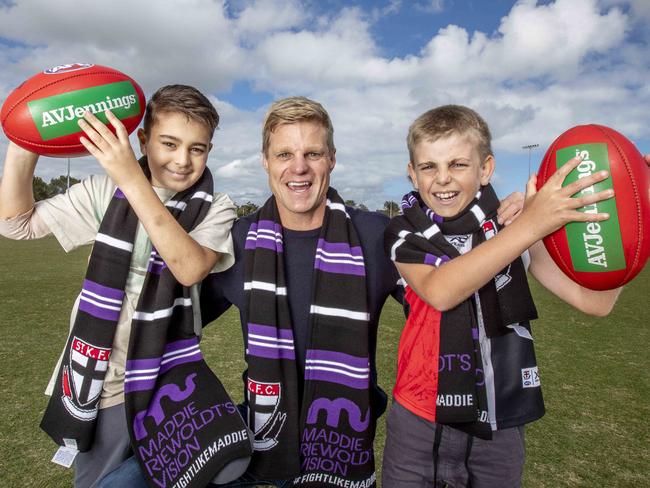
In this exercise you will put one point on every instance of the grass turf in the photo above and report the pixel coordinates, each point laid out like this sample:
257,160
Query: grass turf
594,373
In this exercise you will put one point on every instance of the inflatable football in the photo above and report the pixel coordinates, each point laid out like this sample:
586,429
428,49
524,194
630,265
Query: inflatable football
602,255
42,114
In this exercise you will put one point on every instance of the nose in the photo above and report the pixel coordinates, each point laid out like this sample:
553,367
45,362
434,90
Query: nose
183,159
299,164
443,176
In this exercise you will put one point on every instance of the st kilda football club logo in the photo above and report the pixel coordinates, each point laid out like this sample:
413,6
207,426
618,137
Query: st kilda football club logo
66,68
83,378
490,230
264,416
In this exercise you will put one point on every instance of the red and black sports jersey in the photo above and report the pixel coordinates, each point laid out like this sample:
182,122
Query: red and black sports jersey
509,368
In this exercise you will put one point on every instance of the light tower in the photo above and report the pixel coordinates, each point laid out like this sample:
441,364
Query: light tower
530,147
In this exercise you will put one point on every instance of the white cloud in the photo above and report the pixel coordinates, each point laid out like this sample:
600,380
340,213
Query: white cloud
264,16
546,68
431,6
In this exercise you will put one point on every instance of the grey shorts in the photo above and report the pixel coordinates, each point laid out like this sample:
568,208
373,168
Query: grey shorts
111,446
462,460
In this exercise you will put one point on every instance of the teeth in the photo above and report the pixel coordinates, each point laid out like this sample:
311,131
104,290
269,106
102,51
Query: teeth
446,195
301,184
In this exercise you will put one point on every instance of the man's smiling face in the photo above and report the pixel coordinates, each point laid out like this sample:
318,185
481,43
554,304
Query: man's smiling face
299,164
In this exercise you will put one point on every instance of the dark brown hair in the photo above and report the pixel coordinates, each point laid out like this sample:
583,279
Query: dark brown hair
183,99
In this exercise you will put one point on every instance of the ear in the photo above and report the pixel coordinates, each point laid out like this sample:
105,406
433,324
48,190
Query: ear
412,176
265,163
142,137
487,169
332,160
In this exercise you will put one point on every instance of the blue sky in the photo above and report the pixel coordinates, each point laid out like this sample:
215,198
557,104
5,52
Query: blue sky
532,69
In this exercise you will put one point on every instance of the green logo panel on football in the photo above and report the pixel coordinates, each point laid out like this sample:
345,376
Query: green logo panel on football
57,116
594,246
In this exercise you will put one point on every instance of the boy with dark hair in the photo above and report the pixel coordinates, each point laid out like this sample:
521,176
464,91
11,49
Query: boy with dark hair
467,378
132,361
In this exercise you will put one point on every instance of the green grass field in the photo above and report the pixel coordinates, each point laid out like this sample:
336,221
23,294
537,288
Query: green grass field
594,373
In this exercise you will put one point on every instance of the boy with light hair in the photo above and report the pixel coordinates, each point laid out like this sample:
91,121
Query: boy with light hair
467,379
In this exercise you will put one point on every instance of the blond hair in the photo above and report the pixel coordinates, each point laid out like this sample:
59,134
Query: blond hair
292,110
446,120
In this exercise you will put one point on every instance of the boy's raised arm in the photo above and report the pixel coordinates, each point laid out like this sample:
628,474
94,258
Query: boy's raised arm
188,261
592,302
547,210
16,193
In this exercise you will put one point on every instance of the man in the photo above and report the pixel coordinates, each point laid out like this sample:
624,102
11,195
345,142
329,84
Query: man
310,280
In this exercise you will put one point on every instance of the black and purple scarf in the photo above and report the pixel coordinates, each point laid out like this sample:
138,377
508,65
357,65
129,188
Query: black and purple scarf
326,440
183,426
418,236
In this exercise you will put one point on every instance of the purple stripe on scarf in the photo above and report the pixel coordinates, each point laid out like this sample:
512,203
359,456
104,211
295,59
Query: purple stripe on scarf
272,334
266,225
99,312
338,357
191,357
475,333
104,291
156,267
265,240
432,260
138,364
265,243
338,378
340,268
118,194
182,344
432,215
339,247
134,365
270,331
408,201
270,352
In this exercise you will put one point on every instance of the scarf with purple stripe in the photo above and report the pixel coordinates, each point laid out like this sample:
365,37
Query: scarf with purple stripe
325,439
183,425
418,236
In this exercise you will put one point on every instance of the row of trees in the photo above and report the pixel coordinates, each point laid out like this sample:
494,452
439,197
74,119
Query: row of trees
391,208
43,190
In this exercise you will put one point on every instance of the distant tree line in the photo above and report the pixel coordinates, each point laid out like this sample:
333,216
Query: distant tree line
391,208
56,186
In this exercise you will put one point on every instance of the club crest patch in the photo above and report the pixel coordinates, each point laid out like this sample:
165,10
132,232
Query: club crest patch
490,230
83,378
264,416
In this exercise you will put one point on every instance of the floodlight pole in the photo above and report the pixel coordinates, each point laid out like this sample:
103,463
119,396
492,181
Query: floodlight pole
530,147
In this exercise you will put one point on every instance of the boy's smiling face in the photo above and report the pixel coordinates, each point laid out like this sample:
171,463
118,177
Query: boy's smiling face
177,150
448,172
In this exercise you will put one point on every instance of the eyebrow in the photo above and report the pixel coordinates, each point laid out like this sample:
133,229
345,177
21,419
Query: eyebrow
176,139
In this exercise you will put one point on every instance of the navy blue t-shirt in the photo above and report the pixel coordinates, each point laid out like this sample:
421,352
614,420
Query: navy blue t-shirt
220,290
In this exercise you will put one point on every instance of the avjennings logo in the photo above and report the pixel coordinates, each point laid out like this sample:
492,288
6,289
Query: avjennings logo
57,116
594,246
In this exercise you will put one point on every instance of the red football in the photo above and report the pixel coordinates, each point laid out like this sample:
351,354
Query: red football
41,114
602,255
